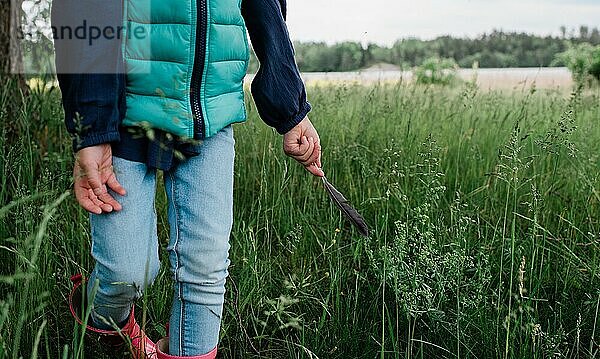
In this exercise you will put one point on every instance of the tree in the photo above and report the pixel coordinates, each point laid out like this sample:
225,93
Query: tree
584,32
494,49
350,56
563,32
12,83
595,37
583,60
10,55
436,71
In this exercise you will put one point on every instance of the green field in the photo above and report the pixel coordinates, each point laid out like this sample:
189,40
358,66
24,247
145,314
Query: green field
485,217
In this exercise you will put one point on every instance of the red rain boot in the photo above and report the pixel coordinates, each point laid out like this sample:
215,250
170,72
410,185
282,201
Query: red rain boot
141,346
162,348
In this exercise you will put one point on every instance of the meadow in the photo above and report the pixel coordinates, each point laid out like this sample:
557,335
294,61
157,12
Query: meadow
484,208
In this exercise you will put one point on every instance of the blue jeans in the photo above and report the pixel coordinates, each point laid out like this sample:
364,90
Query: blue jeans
125,244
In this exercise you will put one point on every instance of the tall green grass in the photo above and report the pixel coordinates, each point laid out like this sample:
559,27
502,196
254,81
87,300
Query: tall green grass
484,208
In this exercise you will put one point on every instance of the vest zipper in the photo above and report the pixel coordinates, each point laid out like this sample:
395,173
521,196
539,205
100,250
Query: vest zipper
199,58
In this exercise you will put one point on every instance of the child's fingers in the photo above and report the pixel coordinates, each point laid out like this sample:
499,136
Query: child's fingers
312,159
85,202
315,170
91,194
94,198
114,184
305,157
101,191
318,150
105,207
312,153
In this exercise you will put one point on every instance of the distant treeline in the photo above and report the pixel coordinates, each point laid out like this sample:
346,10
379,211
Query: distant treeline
496,49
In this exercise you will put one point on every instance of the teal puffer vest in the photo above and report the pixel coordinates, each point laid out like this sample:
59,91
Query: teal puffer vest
185,62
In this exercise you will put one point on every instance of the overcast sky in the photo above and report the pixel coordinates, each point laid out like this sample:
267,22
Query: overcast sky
383,21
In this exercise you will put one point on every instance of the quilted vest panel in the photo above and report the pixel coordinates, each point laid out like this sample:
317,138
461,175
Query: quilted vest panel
159,49
227,56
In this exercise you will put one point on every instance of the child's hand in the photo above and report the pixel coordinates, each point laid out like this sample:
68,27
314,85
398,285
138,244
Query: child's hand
92,172
302,144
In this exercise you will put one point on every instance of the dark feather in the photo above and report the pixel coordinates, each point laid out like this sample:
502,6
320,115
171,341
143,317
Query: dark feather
349,212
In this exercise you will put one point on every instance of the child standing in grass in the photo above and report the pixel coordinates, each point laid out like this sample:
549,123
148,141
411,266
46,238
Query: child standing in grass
176,70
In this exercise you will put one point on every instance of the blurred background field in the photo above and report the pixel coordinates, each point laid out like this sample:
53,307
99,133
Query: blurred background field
554,78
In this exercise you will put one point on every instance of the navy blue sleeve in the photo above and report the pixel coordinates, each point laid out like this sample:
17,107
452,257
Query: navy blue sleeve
277,88
89,71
